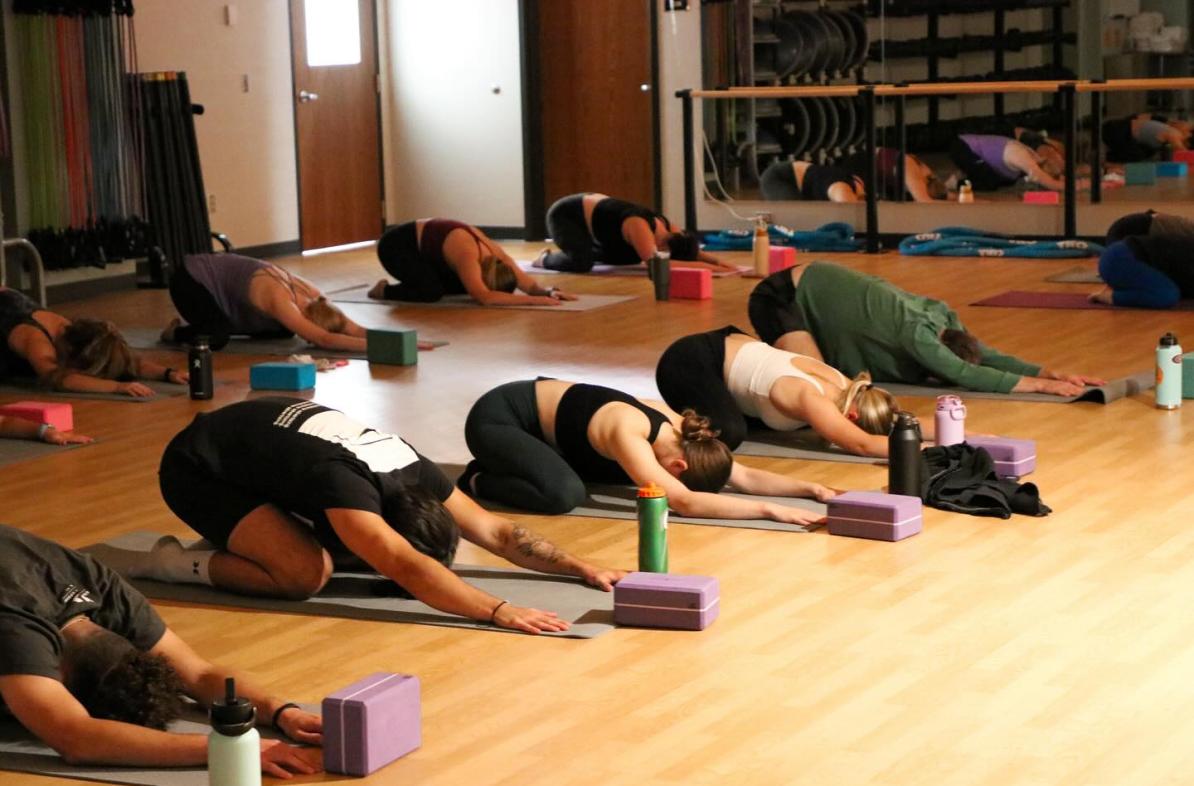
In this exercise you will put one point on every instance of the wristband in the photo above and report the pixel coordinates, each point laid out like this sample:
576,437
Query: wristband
278,713
42,430
166,374
493,614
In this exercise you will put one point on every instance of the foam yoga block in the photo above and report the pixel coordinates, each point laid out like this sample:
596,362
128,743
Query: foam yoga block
875,515
1184,156
1188,376
60,416
781,258
1172,169
1014,458
666,600
282,376
371,723
1042,198
689,284
1142,174
392,347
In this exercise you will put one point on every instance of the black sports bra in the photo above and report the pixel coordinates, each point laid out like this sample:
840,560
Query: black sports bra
16,308
818,179
577,407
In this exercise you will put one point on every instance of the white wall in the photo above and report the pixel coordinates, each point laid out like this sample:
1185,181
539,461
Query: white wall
246,140
453,147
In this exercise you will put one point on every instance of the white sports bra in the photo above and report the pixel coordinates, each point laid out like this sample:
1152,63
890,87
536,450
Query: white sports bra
756,368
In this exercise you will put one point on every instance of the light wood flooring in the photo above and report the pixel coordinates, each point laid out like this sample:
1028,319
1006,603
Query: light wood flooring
985,652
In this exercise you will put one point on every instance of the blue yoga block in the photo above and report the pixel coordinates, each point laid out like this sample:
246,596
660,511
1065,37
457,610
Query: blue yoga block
393,347
1172,169
282,376
1142,174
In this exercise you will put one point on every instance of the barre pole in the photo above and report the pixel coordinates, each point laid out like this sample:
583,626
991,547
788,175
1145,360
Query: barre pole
1070,106
1096,148
690,204
902,144
872,172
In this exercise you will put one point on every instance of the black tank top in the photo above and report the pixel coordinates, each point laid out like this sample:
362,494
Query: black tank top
16,308
608,217
577,407
818,179
431,251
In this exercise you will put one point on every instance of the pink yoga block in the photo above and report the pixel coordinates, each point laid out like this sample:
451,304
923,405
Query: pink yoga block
666,600
371,723
781,258
875,515
1014,458
60,416
690,284
1042,198
1184,156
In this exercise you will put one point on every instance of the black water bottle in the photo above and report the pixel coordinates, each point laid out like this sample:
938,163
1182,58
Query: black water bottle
199,367
903,456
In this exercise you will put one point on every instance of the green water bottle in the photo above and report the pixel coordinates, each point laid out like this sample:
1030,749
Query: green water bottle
652,529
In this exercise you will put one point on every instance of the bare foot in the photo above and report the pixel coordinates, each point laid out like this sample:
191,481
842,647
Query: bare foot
379,290
167,334
1102,296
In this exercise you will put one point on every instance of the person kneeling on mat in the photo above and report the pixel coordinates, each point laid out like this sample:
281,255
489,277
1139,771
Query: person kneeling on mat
433,257
991,162
81,355
857,322
595,228
1147,271
1140,137
1149,222
90,668
225,295
800,180
538,442
285,490
921,183
731,376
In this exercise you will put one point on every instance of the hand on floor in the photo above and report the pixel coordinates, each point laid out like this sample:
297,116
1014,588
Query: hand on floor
284,761
56,437
528,620
603,578
1101,296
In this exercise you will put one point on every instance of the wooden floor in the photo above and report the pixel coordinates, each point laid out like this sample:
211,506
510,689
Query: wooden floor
1048,651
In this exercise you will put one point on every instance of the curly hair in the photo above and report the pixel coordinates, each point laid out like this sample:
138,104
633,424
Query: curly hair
115,681
709,459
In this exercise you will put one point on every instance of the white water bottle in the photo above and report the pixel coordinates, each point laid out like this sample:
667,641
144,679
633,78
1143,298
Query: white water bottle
1169,372
762,249
950,421
234,746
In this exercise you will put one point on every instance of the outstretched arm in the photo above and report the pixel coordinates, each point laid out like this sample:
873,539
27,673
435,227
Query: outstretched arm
521,546
283,309
827,420
750,480
19,428
41,355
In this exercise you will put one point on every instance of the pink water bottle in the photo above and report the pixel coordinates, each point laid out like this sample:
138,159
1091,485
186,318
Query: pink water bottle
951,420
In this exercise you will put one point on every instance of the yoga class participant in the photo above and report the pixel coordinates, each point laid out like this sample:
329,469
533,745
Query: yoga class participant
856,323
730,376
286,489
433,257
991,162
81,355
920,184
538,442
1139,137
225,295
1149,222
1147,271
800,180
90,668
20,428
595,228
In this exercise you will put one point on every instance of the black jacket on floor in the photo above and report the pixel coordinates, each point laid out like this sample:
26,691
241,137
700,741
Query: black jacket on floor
961,478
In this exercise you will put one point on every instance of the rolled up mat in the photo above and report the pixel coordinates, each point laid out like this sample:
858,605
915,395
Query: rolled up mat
796,127
969,242
835,236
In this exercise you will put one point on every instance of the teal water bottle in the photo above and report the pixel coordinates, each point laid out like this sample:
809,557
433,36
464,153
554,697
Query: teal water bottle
652,529
1169,372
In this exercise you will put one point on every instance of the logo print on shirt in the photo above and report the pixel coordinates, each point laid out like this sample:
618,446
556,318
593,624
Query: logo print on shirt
76,594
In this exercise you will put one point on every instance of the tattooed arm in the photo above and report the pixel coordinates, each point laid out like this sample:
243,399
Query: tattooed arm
522,546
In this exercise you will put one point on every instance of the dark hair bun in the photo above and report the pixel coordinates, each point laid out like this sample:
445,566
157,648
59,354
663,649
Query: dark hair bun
695,428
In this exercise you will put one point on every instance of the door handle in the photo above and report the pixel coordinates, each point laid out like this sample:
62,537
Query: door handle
306,96
646,88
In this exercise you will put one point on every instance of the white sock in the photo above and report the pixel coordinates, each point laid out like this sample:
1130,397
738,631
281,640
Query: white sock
169,561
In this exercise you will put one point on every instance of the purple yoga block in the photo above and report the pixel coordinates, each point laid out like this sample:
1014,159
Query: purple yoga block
666,600
1014,458
371,723
874,515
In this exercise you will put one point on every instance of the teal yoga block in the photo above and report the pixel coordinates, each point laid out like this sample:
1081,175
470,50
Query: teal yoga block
1172,169
282,376
1142,174
393,347
1188,375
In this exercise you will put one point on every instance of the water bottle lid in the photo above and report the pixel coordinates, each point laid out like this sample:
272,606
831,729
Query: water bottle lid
232,716
948,401
651,491
1168,340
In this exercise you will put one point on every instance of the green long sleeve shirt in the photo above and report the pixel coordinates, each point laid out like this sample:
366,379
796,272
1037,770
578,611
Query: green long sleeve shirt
863,323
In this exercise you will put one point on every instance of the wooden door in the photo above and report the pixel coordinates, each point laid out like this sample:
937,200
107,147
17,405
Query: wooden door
337,122
597,99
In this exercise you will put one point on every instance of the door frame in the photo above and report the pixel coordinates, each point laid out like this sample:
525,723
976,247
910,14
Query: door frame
534,198
381,161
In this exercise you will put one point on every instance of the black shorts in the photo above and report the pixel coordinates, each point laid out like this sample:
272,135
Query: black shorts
772,307
691,375
207,504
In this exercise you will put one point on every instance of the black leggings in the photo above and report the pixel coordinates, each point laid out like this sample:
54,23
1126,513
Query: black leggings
517,467
1129,225
981,175
566,225
772,307
398,250
691,375
202,313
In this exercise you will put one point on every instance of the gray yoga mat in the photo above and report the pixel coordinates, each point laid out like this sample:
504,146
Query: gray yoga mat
148,338
802,444
1104,394
1076,275
619,502
352,595
616,270
27,386
582,303
20,751
14,450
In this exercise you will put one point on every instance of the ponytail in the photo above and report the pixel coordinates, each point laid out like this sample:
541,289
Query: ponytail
876,407
709,459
